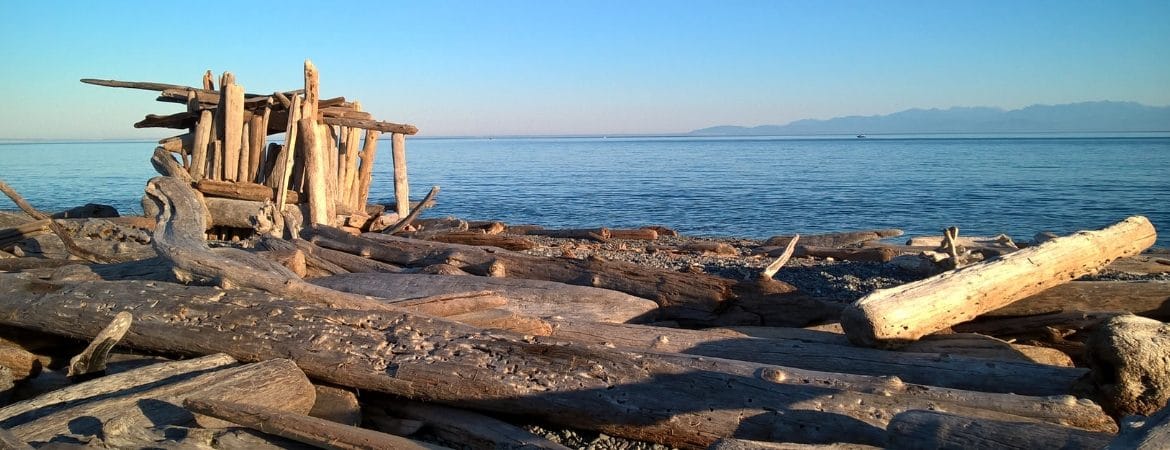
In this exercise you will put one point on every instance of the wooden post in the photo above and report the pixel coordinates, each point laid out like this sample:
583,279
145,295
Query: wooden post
312,91
366,170
315,172
199,149
217,161
208,84
331,156
285,167
349,182
401,185
257,131
233,124
907,312
245,151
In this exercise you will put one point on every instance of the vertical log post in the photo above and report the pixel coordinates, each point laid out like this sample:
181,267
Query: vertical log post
401,185
232,102
366,170
200,147
256,135
245,150
316,167
208,82
331,156
284,167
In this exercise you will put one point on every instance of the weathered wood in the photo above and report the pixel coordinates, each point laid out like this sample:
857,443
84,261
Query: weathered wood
70,245
834,240
401,184
907,312
301,428
679,400
1128,355
229,212
316,166
347,261
233,130
693,298
643,234
874,254
312,92
744,444
336,404
200,148
284,168
385,127
709,247
349,168
593,234
1153,434
1144,298
501,319
165,165
366,170
445,305
93,358
782,259
529,297
957,372
245,150
936,430
130,397
428,199
241,190
20,362
257,132
470,429
476,238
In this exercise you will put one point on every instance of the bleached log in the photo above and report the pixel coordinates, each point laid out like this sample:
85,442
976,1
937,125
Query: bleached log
834,240
366,170
302,428
476,238
316,168
200,148
284,167
401,184
243,191
1128,355
233,130
907,312
935,430
529,297
385,127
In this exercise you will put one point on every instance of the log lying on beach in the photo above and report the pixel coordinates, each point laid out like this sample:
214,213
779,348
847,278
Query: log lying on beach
958,372
693,298
684,401
470,429
1144,298
1128,355
834,240
530,297
475,238
907,312
243,191
153,395
1153,434
935,430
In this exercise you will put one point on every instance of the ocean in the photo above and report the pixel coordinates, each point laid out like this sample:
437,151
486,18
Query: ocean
746,186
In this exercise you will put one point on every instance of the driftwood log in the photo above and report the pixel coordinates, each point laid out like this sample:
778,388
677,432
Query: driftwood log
696,299
910,311
1144,298
1153,434
834,240
679,400
528,297
934,430
468,428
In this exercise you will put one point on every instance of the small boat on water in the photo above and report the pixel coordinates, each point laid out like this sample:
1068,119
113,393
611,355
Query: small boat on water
861,136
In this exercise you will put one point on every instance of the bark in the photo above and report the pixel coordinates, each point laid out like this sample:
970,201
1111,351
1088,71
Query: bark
934,430
301,428
469,429
528,297
694,299
152,395
678,400
907,312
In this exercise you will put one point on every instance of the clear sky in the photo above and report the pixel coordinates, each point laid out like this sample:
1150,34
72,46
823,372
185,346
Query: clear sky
580,67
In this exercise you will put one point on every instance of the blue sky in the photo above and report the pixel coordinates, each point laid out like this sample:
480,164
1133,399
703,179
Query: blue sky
575,67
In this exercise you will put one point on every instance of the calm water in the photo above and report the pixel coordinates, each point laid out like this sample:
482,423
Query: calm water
753,187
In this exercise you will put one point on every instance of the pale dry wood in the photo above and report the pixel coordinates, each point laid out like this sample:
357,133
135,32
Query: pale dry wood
644,234
385,127
233,130
316,178
232,213
679,400
709,247
165,164
593,234
834,240
907,312
801,351
530,297
427,200
401,183
478,238
471,429
70,245
199,149
284,168
1128,355
744,444
775,266
347,261
445,305
1144,298
366,170
242,191
502,319
245,150
937,430
301,428
93,359
9,441
312,92
257,131
349,167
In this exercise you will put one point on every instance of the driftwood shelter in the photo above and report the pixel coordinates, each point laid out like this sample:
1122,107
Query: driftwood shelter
321,174
318,322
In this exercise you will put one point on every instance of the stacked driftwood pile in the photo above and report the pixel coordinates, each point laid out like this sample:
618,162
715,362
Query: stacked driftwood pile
138,333
322,172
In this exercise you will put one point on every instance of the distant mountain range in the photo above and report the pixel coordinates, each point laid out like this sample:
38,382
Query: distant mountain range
1104,116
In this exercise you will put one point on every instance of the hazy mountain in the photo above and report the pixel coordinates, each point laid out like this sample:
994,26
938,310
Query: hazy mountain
1074,117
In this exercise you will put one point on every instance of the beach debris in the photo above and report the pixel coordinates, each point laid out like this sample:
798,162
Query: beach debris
889,317
835,240
1128,356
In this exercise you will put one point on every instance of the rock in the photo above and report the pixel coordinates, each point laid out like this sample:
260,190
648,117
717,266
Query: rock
1130,360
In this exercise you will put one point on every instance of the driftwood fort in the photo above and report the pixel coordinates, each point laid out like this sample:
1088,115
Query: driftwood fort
262,301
